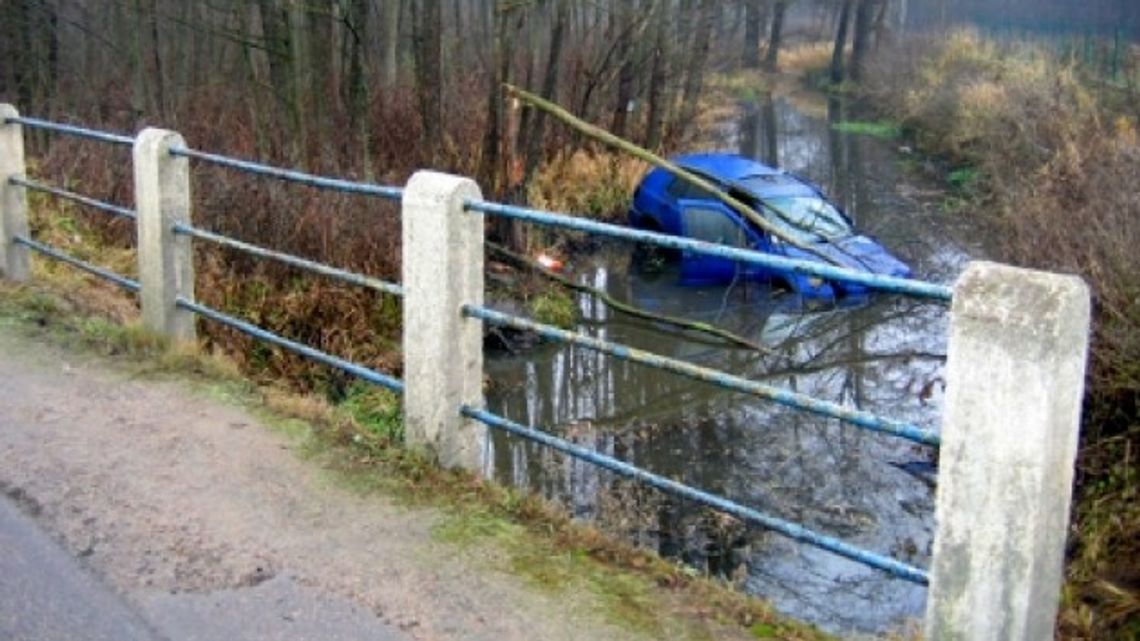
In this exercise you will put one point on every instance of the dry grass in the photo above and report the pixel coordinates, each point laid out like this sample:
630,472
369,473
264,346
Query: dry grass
1058,160
806,59
595,184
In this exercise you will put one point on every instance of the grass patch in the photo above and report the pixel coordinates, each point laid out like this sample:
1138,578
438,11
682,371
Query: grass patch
376,410
808,59
964,178
554,306
745,85
884,129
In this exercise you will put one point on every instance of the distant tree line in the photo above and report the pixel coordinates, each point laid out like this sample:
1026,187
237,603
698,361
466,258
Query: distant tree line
343,83
1059,17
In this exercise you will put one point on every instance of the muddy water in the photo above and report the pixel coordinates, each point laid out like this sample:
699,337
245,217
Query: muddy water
882,354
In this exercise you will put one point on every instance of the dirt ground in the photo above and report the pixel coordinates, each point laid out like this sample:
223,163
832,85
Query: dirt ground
162,489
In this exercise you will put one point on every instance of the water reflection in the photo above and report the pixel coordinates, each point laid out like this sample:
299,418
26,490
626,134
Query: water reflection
881,355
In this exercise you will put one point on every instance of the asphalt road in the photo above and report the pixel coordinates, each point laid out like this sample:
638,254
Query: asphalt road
47,595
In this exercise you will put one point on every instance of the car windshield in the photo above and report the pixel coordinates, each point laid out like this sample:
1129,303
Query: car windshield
808,218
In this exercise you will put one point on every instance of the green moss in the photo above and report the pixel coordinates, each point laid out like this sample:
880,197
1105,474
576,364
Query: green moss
554,307
763,631
880,129
964,178
375,409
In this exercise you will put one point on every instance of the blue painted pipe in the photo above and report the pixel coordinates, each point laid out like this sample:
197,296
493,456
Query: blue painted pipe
290,175
359,371
342,275
72,130
804,402
789,529
74,197
916,288
94,270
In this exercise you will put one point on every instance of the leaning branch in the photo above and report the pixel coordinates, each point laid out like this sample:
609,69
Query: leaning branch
607,138
628,309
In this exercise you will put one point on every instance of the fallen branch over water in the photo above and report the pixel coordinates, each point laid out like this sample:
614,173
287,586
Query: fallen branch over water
626,308
605,137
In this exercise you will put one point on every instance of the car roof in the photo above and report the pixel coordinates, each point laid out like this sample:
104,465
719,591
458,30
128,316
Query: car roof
753,176
726,167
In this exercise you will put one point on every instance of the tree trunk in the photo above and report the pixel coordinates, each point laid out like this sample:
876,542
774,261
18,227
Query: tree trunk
276,39
489,162
359,98
750,58
655,120
534,148
626,72
391,21
772,61
159,71
531,48
864,17
322,73
837,53
698,56
429,78
299,59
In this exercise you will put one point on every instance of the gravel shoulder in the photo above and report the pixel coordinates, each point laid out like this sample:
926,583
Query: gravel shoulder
181,503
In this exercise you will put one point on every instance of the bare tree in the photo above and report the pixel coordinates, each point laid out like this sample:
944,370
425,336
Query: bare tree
698,56
840,47
429,75
772,60
864,19
753,25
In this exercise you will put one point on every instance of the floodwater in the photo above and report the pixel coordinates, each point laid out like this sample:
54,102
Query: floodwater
883,354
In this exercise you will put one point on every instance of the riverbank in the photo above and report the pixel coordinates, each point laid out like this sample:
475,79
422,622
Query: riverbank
500,535
1044,155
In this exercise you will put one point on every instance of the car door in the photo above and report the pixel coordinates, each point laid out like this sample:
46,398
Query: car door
714,222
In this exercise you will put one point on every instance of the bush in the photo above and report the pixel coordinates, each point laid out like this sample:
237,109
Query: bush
1057,174
1054,162
595,184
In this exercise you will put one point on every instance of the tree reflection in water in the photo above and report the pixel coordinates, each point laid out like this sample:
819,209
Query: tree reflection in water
881,354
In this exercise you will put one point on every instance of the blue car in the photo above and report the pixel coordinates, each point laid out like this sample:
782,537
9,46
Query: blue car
671,205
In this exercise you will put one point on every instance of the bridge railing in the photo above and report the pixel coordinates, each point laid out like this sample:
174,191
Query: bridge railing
1014,369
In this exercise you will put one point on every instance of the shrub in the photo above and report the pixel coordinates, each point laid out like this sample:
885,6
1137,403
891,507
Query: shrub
595,184
1054,161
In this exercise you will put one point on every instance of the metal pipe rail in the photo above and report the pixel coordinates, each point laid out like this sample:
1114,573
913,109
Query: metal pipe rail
72,130
94,270
789,529
334,273
291,175
324,358
909,287
859,418
109,208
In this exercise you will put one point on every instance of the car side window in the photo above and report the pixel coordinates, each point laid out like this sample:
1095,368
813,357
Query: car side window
713,225
679,189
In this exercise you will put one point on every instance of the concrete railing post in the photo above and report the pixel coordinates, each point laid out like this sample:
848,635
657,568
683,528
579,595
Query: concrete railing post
1014,381
443,350
14,264
166,262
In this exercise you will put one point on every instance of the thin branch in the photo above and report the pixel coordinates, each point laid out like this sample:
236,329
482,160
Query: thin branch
628,309
607,138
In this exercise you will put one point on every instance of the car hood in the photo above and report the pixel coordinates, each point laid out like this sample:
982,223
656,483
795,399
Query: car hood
860,253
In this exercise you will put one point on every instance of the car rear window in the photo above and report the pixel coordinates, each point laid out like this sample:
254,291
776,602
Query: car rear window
680,188
713,225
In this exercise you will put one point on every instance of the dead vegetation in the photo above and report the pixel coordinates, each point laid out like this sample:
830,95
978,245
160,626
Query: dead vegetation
1048,157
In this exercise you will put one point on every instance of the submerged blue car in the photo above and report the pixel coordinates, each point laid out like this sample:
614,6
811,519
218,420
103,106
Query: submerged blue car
671,205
